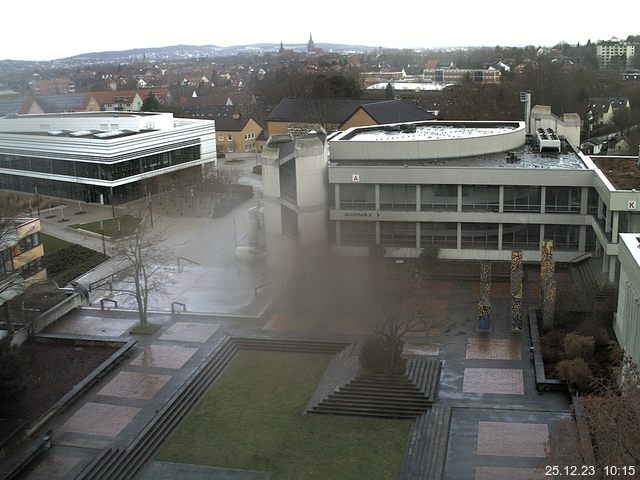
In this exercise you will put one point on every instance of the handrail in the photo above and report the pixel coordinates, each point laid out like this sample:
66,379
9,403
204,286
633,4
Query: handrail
111,277
181,267
581,257
115,304
173,305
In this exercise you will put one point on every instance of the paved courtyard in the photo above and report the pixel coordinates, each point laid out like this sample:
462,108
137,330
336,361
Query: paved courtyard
500,424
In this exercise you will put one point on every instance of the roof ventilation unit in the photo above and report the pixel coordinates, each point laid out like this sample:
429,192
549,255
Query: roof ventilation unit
548,141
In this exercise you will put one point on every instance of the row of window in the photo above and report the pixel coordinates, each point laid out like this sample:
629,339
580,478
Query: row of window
473,235
474,198
103,171
27,243
247,136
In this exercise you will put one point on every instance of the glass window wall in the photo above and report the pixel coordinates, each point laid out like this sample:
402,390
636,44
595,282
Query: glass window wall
357,196
522,199
439,197
520,236
439,234
398,197
480,236
398,234
480,198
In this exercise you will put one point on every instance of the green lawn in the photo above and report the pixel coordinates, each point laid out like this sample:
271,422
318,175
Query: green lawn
66,261
252,419
113,227
53,244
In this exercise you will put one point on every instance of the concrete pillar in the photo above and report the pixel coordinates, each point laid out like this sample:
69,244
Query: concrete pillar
500,230
378,198
605,260
459,236
600,204
614,227
337,195
459,199
338,235
612,268
541,237
582,238
417,234
377,232
584,200
607,221
501,200
543,201
418,206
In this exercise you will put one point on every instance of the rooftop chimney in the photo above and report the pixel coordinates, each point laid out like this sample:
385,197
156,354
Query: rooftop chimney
525,97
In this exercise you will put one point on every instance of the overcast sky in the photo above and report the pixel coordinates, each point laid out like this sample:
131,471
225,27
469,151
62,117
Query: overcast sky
47,29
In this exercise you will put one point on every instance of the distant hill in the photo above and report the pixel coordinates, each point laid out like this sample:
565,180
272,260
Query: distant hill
192,51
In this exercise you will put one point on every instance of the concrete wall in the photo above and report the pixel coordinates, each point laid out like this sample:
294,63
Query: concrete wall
568,126
627,323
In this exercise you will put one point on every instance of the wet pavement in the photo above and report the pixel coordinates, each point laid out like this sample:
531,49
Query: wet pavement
500,423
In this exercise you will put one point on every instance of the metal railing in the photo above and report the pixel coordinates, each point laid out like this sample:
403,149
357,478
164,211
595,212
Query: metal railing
173,307
185,259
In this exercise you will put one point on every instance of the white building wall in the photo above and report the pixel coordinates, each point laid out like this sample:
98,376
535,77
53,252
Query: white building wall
627,323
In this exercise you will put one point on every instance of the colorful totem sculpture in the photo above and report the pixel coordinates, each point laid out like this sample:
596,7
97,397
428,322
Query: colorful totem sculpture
548,286
484,305
549,304
517,276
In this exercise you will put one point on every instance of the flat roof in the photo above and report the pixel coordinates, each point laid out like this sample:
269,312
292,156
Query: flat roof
428,131
525,157
101,113
622,172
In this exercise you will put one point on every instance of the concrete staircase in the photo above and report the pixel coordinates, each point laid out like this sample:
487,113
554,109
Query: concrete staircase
427,450
385,396
588,275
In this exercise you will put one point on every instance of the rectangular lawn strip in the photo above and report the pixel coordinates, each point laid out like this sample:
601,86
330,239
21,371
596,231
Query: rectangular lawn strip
128,224
252,419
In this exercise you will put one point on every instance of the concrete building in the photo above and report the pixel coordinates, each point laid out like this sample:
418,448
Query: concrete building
627,320
615,53
21,255
471,190
103,156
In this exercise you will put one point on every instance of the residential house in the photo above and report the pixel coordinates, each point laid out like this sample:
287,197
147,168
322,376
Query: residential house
601,110
236,133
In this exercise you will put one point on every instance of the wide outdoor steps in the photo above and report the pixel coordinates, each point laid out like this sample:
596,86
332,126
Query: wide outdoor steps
427,450
387,396
589,274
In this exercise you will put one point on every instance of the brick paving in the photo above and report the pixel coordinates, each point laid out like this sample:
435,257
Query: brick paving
509,473
190,332
142,386
512,439
100,419
164,356
493,349
493,380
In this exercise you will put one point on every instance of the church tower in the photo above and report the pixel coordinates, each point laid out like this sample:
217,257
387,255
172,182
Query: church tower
311,46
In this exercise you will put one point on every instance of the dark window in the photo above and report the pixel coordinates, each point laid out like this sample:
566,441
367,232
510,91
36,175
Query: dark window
358,233
565,237
480,198
562,200
522,199
439,234
520,236
357,196
398,234
439,197
398,197
480,236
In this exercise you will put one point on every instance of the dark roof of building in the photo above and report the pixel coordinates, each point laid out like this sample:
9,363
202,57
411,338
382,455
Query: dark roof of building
11,105
62,103
396,111
315,109
413,70
601,104
338,110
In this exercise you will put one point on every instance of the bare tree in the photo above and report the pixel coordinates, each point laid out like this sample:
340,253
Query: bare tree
382,351
144,255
